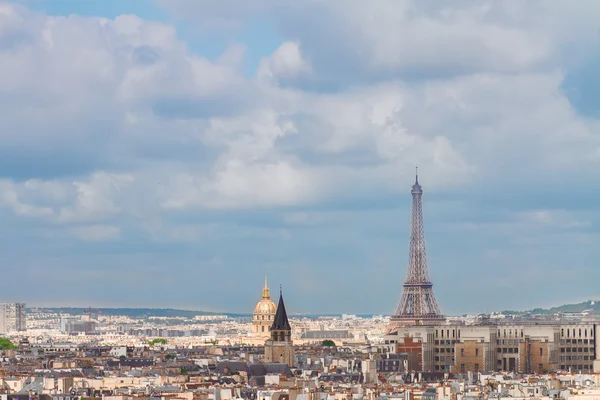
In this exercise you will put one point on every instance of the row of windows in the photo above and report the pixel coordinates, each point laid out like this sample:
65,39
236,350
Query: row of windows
258,317
510,333
445,342
576,367
508,341
508,350
444,350
440,333
577,341
575,350
516,333
572,332
575,358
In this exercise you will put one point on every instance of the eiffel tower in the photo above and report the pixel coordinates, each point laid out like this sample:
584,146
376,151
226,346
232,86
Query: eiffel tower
417,305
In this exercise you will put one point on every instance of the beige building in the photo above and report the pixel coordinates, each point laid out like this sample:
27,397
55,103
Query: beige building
264,313
525,348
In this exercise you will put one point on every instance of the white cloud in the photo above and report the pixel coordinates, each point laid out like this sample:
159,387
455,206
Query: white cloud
286,63
417,37
115,125
95,199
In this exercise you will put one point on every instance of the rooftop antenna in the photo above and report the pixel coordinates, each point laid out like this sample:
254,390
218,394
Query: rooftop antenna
416,175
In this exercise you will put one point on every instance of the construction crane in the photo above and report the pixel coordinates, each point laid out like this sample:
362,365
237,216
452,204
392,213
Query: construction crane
91,311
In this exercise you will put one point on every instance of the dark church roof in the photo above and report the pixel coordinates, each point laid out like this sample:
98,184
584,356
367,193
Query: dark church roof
280,322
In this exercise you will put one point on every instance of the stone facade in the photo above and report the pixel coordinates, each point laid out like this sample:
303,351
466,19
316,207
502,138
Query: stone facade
526,348
281,352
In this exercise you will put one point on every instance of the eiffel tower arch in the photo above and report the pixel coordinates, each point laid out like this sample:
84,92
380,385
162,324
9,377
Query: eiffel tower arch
417,305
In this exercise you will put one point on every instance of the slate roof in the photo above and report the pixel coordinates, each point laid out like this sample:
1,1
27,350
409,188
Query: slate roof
280,322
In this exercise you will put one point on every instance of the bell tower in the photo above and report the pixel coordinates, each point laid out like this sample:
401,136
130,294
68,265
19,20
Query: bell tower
279,348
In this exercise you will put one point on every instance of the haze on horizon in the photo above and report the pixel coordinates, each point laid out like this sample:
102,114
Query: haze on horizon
170,154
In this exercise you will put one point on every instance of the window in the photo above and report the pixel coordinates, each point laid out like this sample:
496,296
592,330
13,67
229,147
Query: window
462,353
476,368
462,368
541,351
476,352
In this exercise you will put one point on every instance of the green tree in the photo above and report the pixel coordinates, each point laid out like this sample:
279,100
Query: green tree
157,341
328,343
6,344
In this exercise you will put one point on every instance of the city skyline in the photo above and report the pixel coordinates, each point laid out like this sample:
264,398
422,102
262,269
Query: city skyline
171,154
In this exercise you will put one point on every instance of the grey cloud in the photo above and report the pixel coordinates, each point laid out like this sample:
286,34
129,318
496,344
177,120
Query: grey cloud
145,55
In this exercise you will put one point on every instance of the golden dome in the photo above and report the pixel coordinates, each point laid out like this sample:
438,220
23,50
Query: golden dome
265,305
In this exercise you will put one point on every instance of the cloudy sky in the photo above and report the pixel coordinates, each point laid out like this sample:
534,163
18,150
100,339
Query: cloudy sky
171,153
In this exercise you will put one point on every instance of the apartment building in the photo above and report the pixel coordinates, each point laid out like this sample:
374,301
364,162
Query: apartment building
525,348
12,317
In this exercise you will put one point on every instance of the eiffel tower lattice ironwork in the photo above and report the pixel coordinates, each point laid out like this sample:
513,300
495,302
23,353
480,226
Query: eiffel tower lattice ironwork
417,305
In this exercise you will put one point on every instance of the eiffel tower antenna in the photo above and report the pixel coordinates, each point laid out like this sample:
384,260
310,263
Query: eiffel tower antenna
417,305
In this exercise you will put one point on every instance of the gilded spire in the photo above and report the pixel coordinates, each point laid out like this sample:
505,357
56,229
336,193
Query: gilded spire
266,290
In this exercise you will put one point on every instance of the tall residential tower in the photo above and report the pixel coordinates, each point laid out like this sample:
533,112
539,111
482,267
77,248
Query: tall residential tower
12,317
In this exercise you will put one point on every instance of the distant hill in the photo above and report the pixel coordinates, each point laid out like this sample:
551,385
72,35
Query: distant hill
132,312
592,306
